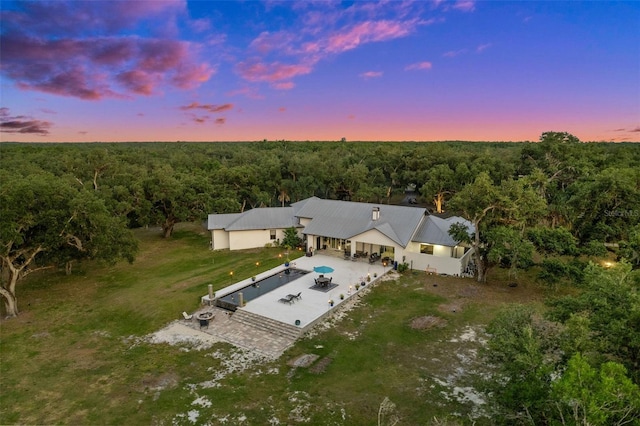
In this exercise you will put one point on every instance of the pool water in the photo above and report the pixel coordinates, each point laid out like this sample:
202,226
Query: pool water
259,288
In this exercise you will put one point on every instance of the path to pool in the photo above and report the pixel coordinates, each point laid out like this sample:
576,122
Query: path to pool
269,326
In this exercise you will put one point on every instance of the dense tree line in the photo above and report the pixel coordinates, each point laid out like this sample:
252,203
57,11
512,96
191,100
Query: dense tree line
579,364
588,194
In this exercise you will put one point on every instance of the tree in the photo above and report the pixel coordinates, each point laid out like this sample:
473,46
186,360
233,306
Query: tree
553,240
595,396
523,349
440,182
291,238
508,247
176,197
45,221
475,201
610,298
630,248
605,204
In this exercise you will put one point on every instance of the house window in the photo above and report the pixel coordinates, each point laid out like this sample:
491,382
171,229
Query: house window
426,248
273,234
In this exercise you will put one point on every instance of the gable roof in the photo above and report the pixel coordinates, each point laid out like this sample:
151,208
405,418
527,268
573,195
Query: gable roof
435,230
260,218
345,219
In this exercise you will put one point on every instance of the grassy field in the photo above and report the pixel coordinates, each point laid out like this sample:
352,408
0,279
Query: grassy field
78,353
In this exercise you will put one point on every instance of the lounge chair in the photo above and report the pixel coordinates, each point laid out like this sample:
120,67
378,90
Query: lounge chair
295,296
186,316
288,299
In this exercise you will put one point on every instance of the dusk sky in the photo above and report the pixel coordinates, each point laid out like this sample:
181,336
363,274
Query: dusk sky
243,71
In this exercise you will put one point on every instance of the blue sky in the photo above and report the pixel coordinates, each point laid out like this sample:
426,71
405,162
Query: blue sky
395,70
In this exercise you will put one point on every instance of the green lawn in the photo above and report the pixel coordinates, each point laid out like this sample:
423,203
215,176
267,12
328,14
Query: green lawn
77,353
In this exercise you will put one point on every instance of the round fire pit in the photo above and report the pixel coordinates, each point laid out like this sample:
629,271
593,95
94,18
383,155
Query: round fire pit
205,316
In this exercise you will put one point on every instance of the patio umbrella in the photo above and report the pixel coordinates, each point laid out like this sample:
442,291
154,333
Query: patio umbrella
323,269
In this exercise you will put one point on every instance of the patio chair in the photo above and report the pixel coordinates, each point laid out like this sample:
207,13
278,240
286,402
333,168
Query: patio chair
295,296
330,279
186,316
288,299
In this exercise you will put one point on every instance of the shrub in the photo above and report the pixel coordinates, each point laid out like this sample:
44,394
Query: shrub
403,267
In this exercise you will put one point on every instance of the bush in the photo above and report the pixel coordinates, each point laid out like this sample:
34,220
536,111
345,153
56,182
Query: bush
594,248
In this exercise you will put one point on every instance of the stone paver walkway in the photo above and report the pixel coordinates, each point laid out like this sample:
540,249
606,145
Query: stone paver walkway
223,328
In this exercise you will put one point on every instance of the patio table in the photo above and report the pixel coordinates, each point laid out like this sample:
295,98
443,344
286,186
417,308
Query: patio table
323,281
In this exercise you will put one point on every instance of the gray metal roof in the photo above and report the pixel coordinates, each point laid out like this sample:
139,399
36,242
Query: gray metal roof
221,221
260,218
345,219
435,230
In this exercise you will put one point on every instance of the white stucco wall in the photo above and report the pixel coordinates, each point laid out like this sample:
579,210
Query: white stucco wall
442,265
438,251
304,221
240,240
219,239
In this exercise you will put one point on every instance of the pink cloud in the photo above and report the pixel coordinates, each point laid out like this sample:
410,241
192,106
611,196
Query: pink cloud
366,32
52,58
465,5
221,121
76,18
371,74
425,65
207,107
267,42
273,72
636,130
282,109
22,124
483,47
137,81
322,30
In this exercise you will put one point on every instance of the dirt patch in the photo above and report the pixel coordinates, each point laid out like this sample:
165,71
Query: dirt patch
321,365
303,360
164,381
453,306
427,322
461,291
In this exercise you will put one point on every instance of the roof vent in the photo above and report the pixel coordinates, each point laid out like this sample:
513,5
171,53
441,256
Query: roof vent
376,213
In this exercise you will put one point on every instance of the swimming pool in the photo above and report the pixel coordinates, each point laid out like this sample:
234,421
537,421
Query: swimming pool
259,288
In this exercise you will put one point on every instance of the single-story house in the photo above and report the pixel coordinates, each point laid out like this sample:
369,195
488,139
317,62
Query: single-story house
403,234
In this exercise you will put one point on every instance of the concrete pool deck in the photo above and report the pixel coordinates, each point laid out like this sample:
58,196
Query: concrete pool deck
313,304
312,308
